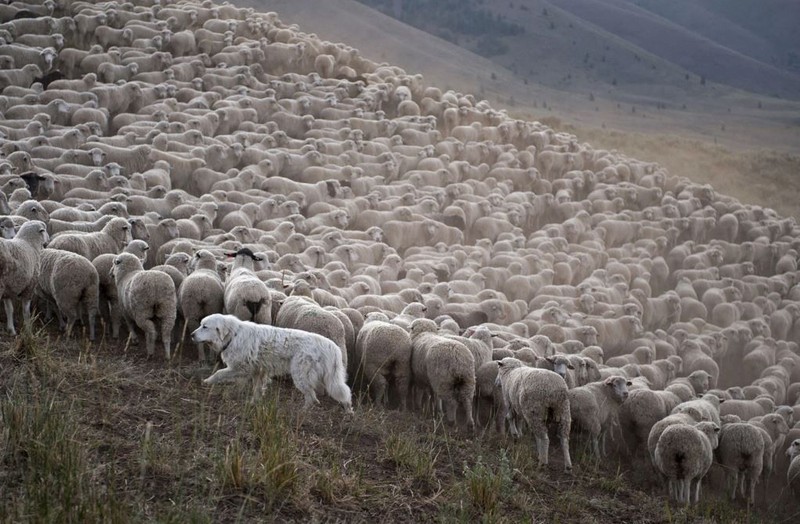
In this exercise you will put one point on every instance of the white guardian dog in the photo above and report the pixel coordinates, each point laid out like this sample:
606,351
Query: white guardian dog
261,352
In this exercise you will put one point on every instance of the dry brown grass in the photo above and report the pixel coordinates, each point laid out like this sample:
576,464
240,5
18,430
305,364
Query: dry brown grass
90,434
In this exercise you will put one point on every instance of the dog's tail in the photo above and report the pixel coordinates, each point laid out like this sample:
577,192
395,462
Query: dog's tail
334,381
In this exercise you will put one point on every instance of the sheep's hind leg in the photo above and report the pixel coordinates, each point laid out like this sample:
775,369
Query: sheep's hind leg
9,305
150,335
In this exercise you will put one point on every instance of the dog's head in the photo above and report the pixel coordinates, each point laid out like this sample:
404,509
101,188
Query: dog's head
214,329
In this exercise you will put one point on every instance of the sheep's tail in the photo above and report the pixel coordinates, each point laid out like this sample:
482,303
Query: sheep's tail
334,380
254,307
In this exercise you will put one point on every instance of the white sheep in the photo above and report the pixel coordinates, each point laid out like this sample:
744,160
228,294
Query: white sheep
201,294
594,408
19,266
71,282
741,454
111,239
147,297
684,454
383,352
246,297
793,473
530,393
108,300
446,367
300,311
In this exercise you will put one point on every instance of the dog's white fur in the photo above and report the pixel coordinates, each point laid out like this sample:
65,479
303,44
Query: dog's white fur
261,352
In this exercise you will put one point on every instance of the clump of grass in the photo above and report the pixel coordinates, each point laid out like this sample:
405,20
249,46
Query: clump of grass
334,484
49,476
232,472
410,457
31,344
611,484
486,487
262,458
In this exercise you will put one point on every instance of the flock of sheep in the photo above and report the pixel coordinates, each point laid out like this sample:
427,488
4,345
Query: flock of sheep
186,158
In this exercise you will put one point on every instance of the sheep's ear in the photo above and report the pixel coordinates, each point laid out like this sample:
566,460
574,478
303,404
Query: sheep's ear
716,429
721,400
549,359
609,381
629,383
230,254
570,366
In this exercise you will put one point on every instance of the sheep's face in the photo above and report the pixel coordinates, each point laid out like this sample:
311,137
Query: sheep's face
618,387
560,365
700,381
794,449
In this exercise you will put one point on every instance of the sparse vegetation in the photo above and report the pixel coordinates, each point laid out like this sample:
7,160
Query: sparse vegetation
117,438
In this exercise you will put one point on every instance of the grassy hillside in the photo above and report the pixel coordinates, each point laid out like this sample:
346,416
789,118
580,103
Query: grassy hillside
94,434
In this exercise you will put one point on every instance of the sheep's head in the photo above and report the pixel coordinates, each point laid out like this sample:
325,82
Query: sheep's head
34,233
560,364
619,387
125,263
137,247
794,449
711,431
505,366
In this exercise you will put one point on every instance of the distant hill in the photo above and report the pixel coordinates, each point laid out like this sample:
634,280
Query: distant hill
628,44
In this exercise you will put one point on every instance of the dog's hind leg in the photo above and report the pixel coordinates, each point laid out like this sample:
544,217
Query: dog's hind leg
306,383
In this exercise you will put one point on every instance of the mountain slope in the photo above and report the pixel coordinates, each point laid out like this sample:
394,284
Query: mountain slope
626,43
690,50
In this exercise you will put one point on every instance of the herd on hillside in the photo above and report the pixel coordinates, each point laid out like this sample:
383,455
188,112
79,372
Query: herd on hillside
165,161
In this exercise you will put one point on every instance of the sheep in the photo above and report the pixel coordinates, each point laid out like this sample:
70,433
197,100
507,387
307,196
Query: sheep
201,294
741,452
108,300
446,367
147,297
72,283
111,239
19,265
689,416
23,77
594,407
708,405
300,311
697,380
383,351
531,393
246,296
641,411
684,453
793,473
